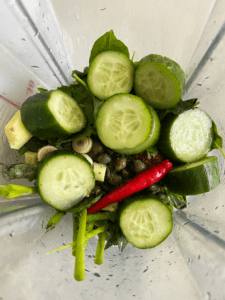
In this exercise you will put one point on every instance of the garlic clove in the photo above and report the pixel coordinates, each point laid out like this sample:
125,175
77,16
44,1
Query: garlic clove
82,146
42,152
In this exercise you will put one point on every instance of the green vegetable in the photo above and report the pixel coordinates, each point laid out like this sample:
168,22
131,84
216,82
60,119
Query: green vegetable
12,190
54,220
159,81
64,178
108,42
145,221
187,137
194,178
110,73
217,141
116,237
18,171
100,248
52,114
123,122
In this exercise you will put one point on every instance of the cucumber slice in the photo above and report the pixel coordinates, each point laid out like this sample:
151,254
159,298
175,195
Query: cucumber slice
145,221
110,73
195,178
64,178
52,114
123,122
151,140
187,137
159,81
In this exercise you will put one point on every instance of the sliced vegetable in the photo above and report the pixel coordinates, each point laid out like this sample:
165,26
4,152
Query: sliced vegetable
52,114
110,73
138,183
195,178
151,140
123,122
159,81
64,178
145,221
82,146
187,137
42,152
99,171
16,132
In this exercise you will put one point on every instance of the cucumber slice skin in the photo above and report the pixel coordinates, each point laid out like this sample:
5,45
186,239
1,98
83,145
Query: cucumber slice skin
195,178
38,119
161,215
110,105
92,73
164,144
45,163
166,78
152,139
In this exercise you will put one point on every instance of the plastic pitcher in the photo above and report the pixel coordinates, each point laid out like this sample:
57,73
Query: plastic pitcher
41,42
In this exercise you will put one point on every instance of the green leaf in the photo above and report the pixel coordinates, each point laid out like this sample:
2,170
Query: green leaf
81,75
13,190
178,109
176,201
108,41
218,141
41,90
85,203
116,237
97,104
17,171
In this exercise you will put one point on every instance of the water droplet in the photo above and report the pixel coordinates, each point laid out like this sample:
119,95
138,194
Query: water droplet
78,17
185,223
11,234
208,296
78,40
199,256
36,34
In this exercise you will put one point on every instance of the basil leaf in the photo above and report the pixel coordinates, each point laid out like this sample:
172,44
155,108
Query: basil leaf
108,41
176,201
179,108
218,141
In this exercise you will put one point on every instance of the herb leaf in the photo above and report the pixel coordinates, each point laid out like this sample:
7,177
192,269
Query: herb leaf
85,203
17,171
177,201
108,41
218,141
13,190
179,108
116,237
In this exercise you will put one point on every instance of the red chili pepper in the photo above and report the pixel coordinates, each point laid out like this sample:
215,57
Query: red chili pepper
138,183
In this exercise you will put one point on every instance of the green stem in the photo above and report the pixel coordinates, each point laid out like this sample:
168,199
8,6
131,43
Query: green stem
95,232
102,216
61,248
54,220
81,81
220,148
79,273
75,232
100,248
132,59
90,226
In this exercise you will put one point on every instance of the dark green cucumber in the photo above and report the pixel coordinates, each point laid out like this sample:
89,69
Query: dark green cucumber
151,140
187,137
64,178
159,81
52,114
145,221
195,178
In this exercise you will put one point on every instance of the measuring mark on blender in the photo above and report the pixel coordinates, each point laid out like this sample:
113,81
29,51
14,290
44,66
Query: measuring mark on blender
30,87
9,101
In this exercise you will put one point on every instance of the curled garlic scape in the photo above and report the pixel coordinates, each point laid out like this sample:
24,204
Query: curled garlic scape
42,152
82,146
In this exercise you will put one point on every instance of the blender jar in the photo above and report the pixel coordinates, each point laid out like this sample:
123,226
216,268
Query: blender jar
41,42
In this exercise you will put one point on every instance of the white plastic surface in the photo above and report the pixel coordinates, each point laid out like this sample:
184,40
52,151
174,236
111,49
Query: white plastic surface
41,42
